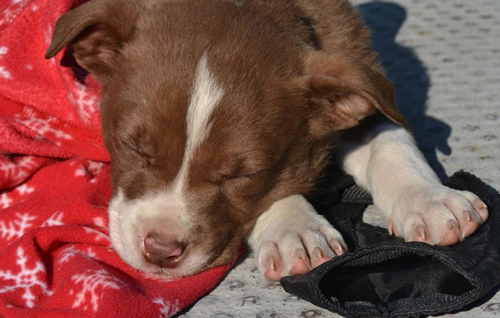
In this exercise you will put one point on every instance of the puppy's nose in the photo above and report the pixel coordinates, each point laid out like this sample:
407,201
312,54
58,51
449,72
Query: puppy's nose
161,251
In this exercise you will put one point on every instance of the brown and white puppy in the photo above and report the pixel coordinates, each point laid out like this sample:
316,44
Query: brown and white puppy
220,115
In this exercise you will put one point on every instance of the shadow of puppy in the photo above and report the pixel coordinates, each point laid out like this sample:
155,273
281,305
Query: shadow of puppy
410,79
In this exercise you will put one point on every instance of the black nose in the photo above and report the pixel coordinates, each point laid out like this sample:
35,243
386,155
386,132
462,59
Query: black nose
161,251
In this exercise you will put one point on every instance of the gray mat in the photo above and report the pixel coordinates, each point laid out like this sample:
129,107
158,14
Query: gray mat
444,59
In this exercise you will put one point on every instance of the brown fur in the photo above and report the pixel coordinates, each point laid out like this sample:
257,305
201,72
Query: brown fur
293,72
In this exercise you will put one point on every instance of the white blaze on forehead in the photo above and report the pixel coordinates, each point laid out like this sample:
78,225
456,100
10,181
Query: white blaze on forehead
206,95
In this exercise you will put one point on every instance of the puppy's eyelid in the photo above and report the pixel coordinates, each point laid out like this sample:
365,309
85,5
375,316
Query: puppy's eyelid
244,175
131,146
253,173
147,157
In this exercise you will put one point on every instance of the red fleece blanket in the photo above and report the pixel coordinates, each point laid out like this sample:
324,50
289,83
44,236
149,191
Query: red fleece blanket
56,259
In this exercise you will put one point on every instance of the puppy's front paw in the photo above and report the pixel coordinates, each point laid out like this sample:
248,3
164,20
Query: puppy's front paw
437,215
291,239
297,251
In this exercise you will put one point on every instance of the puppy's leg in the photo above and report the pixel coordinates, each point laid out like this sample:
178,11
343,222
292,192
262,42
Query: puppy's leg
291,238
417,206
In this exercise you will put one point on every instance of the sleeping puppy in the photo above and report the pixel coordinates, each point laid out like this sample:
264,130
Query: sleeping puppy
220,116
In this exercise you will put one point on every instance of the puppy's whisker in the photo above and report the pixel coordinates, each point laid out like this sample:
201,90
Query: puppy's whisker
95,206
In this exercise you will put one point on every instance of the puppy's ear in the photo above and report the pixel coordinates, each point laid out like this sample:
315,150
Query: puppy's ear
97,31
341,91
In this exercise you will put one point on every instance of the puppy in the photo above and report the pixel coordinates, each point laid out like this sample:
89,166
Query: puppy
220,116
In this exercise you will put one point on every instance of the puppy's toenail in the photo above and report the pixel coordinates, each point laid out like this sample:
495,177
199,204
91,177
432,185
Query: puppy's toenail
270,263
337,248
452,224
317,252
421,232
390,226
467,215
301,253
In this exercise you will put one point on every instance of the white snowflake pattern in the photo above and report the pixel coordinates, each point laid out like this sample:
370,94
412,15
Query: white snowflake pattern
93,168
85,101
4,73
25,189
16,228
13,9
5,16
71,252
81,171
167,309
47,35
26,278
5,201
99,221
10,170
43,127
16,171
53,220
98,236
93,282
27,162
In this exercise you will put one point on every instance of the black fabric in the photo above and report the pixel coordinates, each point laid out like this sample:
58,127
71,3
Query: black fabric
383,276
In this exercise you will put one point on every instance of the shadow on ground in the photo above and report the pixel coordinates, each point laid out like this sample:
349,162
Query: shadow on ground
410,78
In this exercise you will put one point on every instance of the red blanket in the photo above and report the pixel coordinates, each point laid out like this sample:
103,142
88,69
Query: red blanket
56,259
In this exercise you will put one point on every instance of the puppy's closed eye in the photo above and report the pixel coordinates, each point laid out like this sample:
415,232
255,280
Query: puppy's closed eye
140,151
245,176
224,178
238,170
243,185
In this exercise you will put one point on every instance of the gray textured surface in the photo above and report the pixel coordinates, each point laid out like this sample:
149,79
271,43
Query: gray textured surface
443,57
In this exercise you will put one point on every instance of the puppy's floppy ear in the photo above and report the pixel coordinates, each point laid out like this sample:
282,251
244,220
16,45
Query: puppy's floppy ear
341,91
97,31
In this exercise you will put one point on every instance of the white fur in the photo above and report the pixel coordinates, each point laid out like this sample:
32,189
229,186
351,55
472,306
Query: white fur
206,95
390,166
387,161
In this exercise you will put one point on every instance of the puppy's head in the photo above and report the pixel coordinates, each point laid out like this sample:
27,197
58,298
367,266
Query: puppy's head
210,115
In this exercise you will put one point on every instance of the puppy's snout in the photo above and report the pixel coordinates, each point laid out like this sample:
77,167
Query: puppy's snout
162,251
